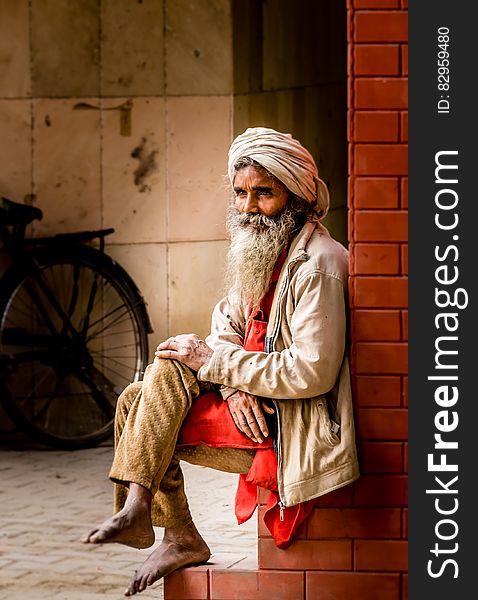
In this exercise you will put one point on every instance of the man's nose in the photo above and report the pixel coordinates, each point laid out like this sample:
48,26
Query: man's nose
250,204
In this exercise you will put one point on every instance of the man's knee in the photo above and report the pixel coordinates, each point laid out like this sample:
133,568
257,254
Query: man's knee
127,396
171,373
160,366
161,371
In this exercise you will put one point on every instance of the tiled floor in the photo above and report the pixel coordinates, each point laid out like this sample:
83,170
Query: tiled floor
49,498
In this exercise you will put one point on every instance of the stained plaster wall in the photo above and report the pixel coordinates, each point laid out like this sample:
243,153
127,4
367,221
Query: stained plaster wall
65,69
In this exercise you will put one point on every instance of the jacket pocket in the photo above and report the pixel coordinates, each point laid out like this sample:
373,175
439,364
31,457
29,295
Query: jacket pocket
328,429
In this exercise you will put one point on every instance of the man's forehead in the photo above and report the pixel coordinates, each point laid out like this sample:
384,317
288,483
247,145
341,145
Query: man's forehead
255,178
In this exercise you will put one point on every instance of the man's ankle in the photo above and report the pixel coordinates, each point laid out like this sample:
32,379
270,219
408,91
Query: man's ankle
184,534
138,495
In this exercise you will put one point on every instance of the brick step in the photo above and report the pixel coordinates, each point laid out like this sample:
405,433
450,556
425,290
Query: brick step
240,581
233,577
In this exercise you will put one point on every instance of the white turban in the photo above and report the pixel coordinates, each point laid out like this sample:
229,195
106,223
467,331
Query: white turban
286,159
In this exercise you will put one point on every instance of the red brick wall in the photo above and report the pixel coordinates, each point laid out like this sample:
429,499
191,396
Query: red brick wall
354,546
376,522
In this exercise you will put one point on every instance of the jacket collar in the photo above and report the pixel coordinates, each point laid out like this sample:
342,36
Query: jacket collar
299,243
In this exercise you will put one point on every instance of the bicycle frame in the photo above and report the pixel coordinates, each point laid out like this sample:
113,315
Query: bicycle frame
18,246
51,341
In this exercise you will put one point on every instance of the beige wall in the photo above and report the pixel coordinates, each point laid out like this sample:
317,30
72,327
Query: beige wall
193,73
65,68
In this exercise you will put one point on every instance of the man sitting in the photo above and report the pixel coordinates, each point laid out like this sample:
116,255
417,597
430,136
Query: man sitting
267,394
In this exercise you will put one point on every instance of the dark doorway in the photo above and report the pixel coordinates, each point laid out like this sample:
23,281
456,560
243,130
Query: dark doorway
290,73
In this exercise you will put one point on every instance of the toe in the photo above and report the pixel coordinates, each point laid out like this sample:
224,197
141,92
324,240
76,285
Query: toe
131,589
87,537
142,584
95,538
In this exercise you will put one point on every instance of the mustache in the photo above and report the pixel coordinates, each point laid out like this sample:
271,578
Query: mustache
255,220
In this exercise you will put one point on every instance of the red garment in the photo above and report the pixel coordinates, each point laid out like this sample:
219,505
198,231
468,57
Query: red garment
209,422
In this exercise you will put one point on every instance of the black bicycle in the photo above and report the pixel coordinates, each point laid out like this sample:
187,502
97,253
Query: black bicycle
73,332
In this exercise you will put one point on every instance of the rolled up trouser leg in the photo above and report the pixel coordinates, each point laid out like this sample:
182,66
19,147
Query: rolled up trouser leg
123,406
169,507
147,424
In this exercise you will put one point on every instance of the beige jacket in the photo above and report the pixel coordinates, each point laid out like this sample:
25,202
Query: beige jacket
304,369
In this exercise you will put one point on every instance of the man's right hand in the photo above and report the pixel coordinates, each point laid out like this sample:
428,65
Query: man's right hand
248,414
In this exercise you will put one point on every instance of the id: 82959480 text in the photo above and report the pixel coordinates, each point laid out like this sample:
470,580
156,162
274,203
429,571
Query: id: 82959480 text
443,70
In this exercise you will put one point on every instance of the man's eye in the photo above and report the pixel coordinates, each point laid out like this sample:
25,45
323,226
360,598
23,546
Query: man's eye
264,193
240,193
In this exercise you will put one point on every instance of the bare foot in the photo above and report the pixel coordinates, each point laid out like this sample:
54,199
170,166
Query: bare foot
131,526
123,528
179,548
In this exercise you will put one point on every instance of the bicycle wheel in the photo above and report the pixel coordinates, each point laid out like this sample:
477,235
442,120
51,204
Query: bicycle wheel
73,335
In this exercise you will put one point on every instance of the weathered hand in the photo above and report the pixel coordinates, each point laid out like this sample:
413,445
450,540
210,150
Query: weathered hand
248,415
187,348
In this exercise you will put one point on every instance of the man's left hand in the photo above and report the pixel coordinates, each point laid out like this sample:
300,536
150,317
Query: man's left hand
188,348
247,412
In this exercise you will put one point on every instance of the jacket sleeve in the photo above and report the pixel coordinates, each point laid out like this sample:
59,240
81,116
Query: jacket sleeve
310,365
227,327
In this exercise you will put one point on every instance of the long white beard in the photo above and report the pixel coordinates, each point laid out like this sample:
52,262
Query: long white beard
256,243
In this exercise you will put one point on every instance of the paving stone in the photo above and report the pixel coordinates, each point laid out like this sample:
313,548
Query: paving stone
50,498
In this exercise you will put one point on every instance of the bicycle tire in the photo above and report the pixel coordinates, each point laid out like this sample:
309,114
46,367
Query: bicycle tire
63,369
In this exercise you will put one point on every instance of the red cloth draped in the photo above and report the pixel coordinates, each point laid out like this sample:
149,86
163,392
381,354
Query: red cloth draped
209,422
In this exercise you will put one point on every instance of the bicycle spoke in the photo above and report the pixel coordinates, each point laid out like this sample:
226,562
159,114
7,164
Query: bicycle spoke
102,298
130,345
99,355
106,354
48,403
120,374
108,314
44,316
54,303
89,308
37,383
113,356
118,321
111,333
30,312
74,291
104,396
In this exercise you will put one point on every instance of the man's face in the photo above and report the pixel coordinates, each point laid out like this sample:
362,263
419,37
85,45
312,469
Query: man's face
256,192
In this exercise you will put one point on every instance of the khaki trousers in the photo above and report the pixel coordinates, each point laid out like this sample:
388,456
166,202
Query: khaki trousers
148,417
